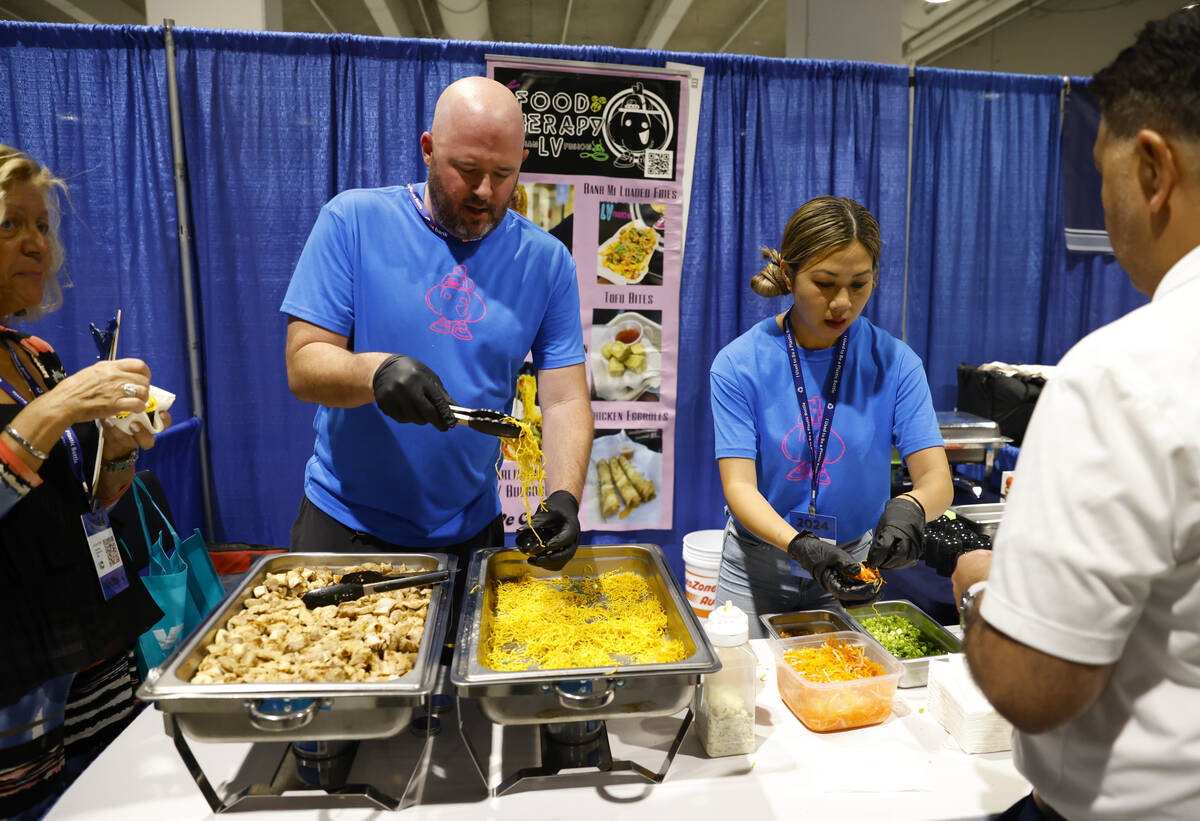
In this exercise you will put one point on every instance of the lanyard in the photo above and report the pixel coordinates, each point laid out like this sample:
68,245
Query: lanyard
74,449
819,444
428,217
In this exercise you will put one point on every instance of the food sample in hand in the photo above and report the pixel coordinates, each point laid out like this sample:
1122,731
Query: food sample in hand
275,638
149,418
867,573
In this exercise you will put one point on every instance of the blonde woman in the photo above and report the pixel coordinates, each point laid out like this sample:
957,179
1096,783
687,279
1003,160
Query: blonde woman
68,636
821,374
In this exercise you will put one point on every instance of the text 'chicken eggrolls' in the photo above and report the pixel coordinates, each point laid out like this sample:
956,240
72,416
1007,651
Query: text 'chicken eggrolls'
609,503
628,493
645,487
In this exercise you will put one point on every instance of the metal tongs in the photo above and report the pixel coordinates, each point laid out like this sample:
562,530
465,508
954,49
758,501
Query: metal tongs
356,585
486,421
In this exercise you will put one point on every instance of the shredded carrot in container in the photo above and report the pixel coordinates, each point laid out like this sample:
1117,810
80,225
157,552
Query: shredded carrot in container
834,686
835,660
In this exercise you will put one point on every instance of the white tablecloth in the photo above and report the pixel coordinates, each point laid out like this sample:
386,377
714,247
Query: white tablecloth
905,768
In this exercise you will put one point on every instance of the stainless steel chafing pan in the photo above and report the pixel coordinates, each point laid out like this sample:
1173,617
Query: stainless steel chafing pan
916,670
585,693
289,711
807,623
970,438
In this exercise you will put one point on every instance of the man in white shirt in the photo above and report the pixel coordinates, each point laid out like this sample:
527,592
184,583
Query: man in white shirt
1088,635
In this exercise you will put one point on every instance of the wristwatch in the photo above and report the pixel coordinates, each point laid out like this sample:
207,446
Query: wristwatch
968,601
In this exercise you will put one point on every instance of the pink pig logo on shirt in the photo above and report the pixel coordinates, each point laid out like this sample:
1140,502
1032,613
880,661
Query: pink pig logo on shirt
457,305
793,445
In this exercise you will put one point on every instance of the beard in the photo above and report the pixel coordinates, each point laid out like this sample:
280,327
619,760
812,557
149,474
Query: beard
445,211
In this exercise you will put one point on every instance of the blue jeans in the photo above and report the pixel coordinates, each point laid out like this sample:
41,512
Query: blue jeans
758,578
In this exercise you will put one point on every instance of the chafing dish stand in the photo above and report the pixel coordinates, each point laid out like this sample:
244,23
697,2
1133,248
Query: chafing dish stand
569,707
572,746
330,761
320,724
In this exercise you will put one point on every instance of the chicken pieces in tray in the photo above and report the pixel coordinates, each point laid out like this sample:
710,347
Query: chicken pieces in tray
275,638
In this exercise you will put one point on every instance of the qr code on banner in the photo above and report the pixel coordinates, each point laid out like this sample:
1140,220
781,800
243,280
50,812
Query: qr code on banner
660,165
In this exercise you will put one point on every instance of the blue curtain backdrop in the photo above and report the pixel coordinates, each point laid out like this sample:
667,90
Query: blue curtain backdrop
773,133
1083,290
276,124
258,127
89,102
984,202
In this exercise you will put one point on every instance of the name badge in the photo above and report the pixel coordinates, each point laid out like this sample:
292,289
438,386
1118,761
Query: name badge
102,543
823,527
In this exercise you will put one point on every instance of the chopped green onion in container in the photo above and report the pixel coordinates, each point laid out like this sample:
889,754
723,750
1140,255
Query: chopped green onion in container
899,636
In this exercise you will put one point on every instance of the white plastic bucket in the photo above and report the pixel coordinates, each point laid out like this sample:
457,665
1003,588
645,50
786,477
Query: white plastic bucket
701,561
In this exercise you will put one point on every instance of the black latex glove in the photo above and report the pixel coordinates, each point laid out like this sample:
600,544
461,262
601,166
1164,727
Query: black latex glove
832,568
947,539
408,391
899,535
556,521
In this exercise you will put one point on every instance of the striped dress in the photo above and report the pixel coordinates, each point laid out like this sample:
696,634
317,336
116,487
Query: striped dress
69,676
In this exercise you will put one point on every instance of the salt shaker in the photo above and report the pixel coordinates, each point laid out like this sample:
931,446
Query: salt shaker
725,699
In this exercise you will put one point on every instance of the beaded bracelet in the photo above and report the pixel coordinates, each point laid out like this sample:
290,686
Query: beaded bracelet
122,462
32,449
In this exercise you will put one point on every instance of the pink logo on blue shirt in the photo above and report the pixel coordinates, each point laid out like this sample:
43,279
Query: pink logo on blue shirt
793,446
457,305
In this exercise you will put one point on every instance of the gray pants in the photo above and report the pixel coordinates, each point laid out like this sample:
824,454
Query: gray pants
759,578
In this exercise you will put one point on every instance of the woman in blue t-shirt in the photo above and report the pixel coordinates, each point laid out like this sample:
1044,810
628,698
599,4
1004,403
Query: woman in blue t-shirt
821,373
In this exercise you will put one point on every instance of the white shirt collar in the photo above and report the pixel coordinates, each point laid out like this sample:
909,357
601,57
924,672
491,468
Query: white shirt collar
1186,270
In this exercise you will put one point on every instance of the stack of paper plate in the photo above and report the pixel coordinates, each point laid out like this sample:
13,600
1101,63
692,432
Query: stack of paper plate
958,705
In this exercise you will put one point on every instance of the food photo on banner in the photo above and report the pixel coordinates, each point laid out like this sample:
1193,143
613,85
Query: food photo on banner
624,478
630,242
608,173
550,206
626,355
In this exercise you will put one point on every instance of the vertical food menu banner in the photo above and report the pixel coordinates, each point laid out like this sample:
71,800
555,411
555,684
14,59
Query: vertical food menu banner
607,174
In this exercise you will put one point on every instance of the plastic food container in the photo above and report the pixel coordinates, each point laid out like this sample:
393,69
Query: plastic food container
838,705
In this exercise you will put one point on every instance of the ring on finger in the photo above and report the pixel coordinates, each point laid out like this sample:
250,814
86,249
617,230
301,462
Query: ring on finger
129,389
